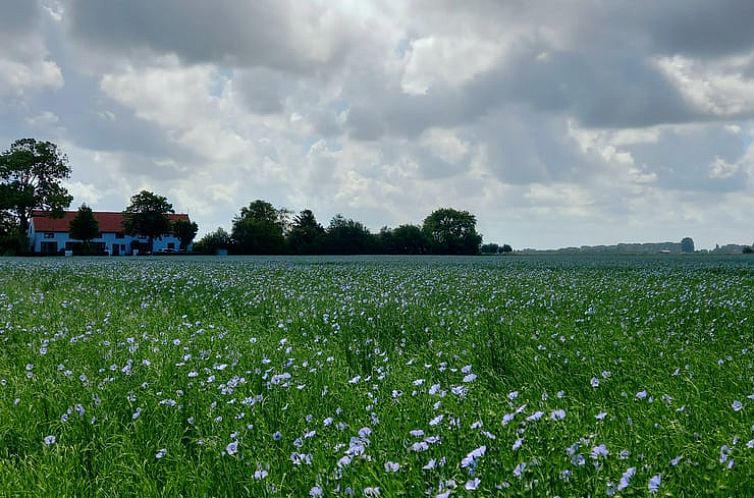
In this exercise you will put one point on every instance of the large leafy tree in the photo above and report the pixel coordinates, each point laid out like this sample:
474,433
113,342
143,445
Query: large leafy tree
84,226
31,173
259,228
452,232
185,230
147,216
210,243
346,236
687,244
306,234
406,239
12,241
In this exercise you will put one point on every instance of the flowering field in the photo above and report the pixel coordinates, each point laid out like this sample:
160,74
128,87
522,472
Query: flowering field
390,377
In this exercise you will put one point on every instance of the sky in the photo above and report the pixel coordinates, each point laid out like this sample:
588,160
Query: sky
557,123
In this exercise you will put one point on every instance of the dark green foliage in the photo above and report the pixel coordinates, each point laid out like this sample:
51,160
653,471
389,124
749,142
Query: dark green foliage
84,227
30,178
306,235
452,232
748,250
147,215
185,231
214,241
137,245
406,239
490,248
346,236
687,244
493,248
12,241
259,229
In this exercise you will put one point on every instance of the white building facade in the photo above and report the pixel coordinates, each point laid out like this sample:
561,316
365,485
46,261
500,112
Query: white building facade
51,236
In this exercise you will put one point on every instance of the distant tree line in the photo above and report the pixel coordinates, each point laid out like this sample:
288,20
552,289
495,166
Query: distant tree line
260,228
32,174
685,246
496,249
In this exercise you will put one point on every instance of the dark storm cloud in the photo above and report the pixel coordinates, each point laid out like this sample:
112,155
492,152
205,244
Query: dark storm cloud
229,32
682,159
526,147
699,27
598,89
603,88
602,77
17,17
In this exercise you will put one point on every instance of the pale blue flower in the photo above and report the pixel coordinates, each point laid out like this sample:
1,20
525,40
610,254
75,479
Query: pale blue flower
316,492
232,448
472,484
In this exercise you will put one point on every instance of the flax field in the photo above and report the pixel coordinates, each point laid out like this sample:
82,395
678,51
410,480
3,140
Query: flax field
377,377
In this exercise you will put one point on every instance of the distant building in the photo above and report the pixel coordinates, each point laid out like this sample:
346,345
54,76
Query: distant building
49,235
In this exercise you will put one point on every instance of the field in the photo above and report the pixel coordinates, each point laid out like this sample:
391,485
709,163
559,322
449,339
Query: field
384,377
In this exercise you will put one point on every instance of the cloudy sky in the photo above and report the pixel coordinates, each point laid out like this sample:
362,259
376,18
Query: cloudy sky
556,122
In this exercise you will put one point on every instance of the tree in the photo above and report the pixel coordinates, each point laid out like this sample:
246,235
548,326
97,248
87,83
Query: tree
346,236
259,229
687,244
748,250
30,178
12,241
406,239
506,249
84,226
147,216
452,232
306,234
490,248
212,242
185,230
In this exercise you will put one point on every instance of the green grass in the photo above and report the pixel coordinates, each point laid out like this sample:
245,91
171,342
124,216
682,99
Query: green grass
216,350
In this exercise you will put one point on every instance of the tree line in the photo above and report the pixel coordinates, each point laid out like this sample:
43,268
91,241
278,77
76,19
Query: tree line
260,228
32,172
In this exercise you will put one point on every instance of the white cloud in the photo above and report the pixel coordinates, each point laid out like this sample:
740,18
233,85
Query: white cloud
720,168
719,88
439,61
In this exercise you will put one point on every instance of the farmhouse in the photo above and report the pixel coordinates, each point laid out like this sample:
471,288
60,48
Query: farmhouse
48,235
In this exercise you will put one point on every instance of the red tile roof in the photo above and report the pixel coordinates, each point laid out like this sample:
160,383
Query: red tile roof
108,221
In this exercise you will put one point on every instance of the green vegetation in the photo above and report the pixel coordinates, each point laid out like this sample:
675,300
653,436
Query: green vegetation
31,175
411,376
84,227
261,229
148,215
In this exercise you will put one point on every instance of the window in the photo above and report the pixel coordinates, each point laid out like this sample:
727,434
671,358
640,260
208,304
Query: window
119,235
49,235
171,245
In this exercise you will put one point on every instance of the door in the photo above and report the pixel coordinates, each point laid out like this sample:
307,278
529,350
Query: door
49,247
115,250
